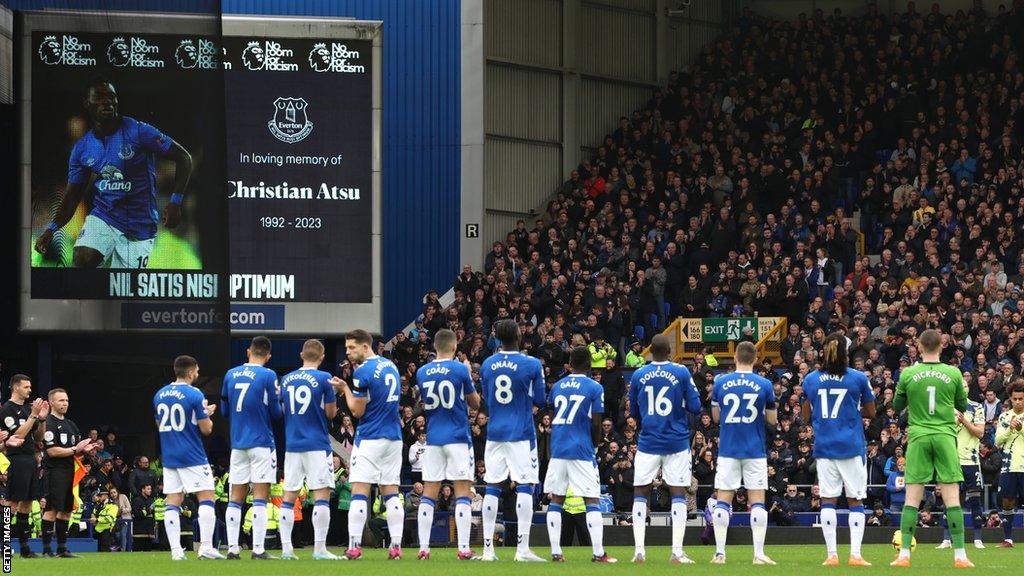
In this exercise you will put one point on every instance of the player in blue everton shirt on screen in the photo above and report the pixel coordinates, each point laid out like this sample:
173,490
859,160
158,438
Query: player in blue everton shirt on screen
447,390
662,396
309,403
513,383
118,157
836,398
250,401
578,402
743,403
182,419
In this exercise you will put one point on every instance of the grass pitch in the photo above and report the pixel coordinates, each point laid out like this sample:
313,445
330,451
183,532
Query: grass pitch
801,560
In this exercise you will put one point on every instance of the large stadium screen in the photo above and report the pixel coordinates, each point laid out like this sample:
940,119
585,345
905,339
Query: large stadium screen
120,123
299,151
175,161
123,122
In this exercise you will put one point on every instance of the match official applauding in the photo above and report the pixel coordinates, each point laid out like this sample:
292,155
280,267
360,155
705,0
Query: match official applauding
62,441
25,423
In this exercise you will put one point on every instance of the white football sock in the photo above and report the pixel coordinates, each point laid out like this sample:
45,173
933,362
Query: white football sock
524,519
857,521
233,520
759,527
595,525
172,524
287,523
356,522
639,524
678,524
207,524
396,519
721,520
490,518
321,524
828,527
259,525
424,520
463,522
554,518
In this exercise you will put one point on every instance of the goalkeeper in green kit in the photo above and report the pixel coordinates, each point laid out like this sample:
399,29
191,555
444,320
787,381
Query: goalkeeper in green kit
933,393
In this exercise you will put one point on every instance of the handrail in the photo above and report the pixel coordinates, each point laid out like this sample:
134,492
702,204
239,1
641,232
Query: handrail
670,330
779,326
445,301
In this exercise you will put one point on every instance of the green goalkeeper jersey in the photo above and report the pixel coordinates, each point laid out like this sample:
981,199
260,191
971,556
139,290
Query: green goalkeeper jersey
931,391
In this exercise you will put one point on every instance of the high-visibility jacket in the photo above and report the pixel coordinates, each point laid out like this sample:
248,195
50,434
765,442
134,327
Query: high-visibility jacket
222,489
159,507
574,504
634,360
599,355
76,516
35,519
381,511
106,517
273,518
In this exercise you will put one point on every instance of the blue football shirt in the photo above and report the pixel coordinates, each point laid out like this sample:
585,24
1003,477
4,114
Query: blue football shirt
662,395
513,383
444,385
576,399
124,163
742,398
305,393
378,381
835,412
178,408
249,400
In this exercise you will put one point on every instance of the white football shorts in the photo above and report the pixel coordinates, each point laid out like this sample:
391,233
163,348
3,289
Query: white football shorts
675,468
848,473
448,462
751,473
115,247
188,480
316,468
253,466
515,460
580,475
377,461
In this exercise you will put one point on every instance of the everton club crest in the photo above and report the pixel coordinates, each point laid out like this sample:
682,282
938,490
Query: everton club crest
290,123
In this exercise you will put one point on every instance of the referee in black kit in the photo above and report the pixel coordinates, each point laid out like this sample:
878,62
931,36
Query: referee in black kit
62,441
26,424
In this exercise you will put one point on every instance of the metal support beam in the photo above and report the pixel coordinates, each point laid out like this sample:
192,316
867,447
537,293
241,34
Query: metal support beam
571,10
661,67
471,206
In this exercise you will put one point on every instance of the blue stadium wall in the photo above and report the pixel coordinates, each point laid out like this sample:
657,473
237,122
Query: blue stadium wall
422,138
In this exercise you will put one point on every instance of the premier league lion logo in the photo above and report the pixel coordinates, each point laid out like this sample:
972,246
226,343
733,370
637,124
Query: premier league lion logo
290,123
50,50
119,52
254,57
187,55
320,58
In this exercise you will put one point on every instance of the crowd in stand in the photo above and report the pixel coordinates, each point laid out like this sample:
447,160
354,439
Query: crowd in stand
860,174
